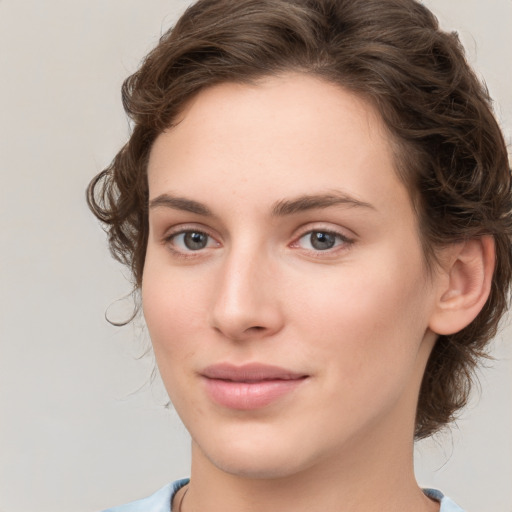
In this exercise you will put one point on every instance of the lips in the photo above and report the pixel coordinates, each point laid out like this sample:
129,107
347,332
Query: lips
250,386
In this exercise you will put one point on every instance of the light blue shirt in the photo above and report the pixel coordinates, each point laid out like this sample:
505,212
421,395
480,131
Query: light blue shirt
161,500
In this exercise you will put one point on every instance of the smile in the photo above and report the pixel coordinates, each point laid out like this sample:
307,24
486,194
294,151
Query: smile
248,387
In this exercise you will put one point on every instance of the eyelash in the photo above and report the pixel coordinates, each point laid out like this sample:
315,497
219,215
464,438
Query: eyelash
341,242
170,241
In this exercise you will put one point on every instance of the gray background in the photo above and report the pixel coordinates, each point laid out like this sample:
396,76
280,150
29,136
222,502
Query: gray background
81,428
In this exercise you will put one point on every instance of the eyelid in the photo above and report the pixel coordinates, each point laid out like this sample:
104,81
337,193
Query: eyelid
187,228
347,239
346,236
184,227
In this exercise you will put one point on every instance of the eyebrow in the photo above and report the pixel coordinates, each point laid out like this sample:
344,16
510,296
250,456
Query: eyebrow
280,209
180,203
311,202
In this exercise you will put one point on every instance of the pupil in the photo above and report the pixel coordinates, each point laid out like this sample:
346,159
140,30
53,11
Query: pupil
195,241
322,241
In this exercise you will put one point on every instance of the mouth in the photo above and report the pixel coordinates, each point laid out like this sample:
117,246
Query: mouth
250,386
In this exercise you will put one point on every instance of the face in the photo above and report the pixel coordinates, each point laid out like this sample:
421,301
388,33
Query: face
284,286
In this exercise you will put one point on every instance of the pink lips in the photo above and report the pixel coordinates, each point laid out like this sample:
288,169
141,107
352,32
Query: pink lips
250,386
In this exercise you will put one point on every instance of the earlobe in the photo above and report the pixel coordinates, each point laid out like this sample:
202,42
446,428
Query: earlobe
465,284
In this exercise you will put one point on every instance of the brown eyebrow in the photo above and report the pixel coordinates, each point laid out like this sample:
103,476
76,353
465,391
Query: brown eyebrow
310,202
280,209
180,203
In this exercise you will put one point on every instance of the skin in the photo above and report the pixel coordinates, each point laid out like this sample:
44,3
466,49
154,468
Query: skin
354,318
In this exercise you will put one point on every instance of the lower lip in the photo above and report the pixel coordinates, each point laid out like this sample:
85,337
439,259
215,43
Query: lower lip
249,395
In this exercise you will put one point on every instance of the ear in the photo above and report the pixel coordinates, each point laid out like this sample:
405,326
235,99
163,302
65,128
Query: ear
464,284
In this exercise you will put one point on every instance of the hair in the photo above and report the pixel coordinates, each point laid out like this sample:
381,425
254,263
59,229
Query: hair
449,150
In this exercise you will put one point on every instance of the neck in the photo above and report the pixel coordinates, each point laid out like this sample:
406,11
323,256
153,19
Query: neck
355,481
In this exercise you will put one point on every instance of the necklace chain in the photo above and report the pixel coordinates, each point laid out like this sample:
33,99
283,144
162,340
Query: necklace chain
182,498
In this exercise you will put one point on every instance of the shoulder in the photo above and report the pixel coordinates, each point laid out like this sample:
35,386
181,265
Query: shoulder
447,505
160,501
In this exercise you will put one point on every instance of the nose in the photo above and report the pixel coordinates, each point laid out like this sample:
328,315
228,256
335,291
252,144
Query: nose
246,302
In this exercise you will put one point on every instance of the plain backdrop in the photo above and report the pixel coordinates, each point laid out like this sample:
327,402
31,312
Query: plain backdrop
81,426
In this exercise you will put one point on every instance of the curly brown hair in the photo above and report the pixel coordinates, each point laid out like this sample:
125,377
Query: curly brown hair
449,149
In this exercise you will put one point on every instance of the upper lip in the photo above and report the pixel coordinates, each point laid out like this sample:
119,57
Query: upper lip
252,372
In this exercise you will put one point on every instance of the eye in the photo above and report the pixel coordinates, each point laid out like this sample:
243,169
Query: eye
191,240
321,240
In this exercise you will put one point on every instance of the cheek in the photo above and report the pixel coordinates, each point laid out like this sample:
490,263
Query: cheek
365,337
173,307
171,316
368,318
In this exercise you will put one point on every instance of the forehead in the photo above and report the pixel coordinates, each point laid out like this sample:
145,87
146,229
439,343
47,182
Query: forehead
286,134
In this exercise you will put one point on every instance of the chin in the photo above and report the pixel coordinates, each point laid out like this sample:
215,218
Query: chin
256,457
257,468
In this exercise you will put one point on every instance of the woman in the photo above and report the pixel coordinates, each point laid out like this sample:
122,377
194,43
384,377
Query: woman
315,206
